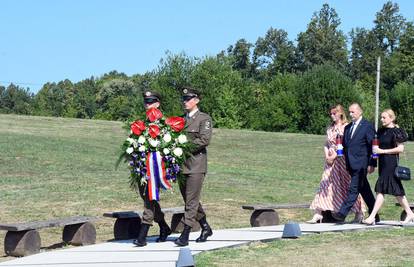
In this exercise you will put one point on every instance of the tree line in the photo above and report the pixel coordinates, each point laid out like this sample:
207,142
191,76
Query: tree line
274,84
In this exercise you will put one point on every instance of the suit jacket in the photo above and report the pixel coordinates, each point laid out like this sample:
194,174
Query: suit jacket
358,149
199,129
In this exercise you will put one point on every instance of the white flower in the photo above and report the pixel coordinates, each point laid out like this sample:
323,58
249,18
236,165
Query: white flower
178,151
141,149
154,143
166,151
182,139
167,137
141,139
135,144
129,150
130,140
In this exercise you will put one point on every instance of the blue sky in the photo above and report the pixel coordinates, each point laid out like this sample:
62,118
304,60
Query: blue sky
47,40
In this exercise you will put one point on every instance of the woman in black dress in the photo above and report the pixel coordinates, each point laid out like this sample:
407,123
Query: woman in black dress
391,139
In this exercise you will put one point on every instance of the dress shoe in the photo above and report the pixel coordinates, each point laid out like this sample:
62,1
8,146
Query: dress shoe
205,231
368,222
339,218
142,236
317,218
183,239
165,231
408,219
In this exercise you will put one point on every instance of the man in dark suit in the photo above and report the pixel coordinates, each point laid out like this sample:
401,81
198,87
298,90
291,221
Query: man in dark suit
357,143
198,128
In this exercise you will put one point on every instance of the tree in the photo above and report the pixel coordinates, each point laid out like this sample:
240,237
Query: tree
224,92
383,40
50,100
117,99
240,56
275,53
173,73
322,41
15,99
2,104
402,102
82,104
404,56
275,106
364,53
319,89
389,26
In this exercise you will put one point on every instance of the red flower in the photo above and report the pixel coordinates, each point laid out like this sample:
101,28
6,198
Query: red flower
154,131
137,127
176,123
154,114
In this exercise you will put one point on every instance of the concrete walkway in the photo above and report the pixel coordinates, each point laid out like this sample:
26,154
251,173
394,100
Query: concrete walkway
124,253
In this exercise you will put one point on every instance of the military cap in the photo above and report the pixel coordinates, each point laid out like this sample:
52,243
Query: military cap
151,96
189,93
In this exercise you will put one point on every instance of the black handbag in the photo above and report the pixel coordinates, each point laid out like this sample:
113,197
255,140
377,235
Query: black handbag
402,173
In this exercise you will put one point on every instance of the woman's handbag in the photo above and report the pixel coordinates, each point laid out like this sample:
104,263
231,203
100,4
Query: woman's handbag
402,173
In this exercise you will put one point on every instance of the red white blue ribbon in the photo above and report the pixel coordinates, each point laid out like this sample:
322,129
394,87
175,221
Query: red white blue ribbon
156,175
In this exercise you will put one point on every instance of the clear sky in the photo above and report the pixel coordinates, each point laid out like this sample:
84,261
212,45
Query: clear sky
51,40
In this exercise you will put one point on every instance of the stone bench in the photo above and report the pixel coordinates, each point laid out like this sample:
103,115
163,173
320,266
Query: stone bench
23,239
266,214
128,223
403,213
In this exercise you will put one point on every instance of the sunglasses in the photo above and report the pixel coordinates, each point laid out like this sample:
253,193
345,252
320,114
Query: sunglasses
187,98
150,100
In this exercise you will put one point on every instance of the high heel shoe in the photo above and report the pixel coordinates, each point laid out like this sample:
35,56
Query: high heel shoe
317,218
408,220
368,222
359,217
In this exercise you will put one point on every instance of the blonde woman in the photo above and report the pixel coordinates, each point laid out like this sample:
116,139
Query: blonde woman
334,185
391,139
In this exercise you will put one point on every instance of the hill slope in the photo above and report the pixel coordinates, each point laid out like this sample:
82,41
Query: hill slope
54,167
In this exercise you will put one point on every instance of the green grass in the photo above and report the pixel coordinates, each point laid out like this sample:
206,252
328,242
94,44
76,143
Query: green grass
54,167
366,248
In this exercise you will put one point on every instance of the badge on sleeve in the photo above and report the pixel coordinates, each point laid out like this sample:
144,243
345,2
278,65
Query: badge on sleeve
208,125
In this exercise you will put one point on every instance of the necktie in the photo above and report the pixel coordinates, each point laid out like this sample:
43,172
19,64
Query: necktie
352,129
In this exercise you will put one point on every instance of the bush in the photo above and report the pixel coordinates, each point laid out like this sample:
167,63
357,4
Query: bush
319,89
224,92
276,106
402,102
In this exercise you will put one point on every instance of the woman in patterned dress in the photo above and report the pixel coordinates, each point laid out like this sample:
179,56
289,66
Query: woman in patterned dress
334,185
391,139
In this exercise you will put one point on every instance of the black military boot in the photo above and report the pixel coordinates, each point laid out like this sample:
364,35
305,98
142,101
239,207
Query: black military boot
142,236
205,230
183,239
165,231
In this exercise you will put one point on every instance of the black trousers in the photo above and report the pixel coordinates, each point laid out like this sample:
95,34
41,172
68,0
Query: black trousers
359,185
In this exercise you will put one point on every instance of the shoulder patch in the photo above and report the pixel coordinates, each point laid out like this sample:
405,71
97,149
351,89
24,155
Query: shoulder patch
207,125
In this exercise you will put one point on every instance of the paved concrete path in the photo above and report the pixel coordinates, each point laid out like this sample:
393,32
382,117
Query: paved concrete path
124,253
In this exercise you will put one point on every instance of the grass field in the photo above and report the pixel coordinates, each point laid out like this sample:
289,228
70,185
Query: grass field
55,167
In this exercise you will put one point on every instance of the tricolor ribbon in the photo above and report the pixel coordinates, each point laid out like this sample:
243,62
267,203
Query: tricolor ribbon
156,175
